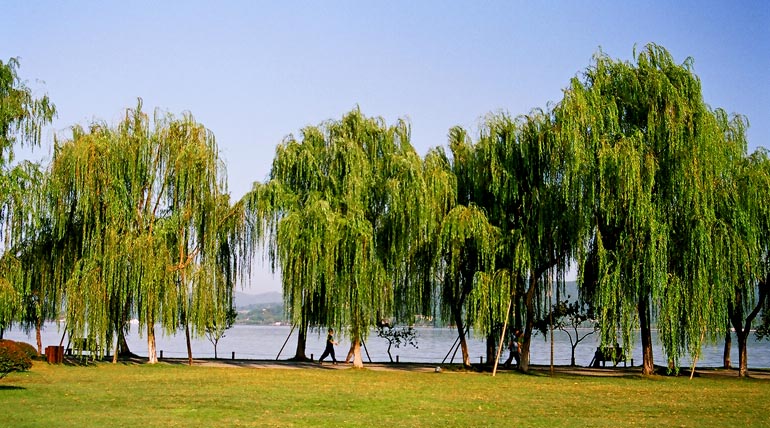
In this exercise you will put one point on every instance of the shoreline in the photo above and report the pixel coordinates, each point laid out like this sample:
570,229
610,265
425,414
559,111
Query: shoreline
535,370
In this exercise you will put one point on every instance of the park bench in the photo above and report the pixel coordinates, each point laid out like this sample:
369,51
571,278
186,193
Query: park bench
613,354
82,347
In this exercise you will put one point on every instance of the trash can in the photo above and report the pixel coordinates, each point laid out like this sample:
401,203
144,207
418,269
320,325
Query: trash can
54,354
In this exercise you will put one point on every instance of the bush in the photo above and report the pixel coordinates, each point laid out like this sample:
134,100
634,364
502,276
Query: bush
28,349
13,358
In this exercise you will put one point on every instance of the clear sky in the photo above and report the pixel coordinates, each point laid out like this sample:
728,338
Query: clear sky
254,72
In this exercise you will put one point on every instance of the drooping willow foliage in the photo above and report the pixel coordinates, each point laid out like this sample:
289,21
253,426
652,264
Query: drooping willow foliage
459,247
741,235
22,118
647,154
631,175
146,204
519,181
341,209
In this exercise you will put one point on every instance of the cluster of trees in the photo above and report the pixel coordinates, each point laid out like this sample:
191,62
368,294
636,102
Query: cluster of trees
631,177
127,221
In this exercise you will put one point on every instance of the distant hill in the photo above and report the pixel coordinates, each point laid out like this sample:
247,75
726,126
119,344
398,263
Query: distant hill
243,300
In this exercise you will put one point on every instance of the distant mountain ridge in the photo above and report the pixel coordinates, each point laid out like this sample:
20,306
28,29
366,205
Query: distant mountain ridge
243,300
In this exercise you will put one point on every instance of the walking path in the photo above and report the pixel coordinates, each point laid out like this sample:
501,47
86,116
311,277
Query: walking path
763,374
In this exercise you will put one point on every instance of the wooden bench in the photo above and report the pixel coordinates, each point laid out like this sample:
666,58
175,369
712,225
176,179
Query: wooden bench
82,347
613,354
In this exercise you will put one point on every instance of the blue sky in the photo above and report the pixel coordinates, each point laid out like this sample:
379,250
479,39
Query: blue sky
254,72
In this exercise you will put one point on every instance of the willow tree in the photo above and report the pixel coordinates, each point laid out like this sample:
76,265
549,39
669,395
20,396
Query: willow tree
464,242
339,211
645,154
146,200
741,237
520,172
22,117
30,260
466,252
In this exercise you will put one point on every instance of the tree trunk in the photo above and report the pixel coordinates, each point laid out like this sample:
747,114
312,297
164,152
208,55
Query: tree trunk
358,362
123,344
737,321
115,354
726,363
189,345
38,327
524,351
152,356
491,347
461,332
743,365
529,304
648,364
299,354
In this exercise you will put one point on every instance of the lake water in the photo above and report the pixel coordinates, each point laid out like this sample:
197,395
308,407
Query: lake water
264,343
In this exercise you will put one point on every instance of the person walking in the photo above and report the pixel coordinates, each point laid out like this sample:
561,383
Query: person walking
330,342
513,346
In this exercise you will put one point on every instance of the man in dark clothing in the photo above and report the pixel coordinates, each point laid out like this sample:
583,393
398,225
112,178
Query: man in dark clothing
513,345
329,347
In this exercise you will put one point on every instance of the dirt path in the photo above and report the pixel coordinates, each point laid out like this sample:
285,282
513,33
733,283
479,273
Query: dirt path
762,374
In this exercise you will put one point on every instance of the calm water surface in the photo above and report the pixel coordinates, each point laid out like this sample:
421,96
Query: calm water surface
434,345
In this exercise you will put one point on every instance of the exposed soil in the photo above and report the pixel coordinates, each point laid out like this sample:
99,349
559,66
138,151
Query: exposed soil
762,374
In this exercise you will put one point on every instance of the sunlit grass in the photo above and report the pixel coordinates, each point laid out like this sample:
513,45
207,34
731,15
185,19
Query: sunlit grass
179,396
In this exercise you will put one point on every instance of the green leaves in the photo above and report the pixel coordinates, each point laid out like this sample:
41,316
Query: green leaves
652,164
341,219
157,237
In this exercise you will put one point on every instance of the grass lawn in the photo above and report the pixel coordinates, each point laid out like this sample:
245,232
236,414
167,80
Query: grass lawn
164,395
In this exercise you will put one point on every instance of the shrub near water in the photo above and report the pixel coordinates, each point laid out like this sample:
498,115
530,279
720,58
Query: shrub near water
13,358
28,349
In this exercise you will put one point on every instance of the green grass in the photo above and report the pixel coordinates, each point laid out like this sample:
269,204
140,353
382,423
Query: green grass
162,395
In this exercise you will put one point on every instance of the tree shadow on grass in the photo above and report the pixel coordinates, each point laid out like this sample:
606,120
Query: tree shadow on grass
10,387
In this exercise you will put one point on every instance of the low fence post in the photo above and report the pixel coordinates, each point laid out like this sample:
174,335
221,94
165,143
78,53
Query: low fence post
233,354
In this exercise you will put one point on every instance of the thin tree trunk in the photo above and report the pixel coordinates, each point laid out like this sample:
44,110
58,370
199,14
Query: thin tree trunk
648,364
38,327
726,363
550,322
461,332
743,365
529,303
152,356
524,351
189,345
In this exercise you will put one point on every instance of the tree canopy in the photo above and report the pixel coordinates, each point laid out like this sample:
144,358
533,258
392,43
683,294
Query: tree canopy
340,216
631,177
